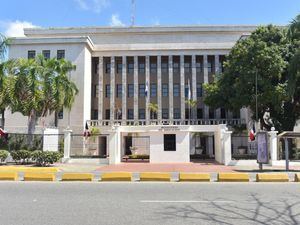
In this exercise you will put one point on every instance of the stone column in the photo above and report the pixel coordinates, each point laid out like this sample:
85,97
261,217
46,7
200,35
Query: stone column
100,94
171,98
205,71
114,143
217,71
159,88
147,84
194,86
67,145
182,88
273,146
112,88
136,90
124,90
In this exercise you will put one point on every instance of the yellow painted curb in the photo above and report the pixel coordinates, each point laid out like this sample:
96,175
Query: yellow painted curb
274,177
29,169
155,176
297,177
196,177
116,176
30,176
77,177
233,177
8,175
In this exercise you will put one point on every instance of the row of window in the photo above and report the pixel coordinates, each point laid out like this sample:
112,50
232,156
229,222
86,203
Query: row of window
164,67
153,90
60,54
165,114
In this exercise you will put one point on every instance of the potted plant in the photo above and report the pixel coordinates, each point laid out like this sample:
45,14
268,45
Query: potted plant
133,150
242,150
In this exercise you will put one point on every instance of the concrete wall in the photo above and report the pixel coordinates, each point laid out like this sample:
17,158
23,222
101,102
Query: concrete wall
157,153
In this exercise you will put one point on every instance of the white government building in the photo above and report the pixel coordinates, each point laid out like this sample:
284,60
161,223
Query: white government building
122,72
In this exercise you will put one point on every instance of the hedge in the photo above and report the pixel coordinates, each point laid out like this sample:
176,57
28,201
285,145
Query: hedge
3,155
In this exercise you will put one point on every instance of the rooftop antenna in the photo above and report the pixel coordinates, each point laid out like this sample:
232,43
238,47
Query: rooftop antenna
132,12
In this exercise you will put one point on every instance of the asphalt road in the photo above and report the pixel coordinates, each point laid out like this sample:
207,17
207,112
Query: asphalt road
57,203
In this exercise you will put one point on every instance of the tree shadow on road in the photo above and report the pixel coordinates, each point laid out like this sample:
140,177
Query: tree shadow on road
254,211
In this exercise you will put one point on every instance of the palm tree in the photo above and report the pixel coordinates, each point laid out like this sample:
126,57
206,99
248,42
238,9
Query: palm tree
294,29
39,87
4,42
153,108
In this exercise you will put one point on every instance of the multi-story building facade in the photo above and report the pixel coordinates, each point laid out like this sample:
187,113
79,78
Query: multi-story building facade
122,73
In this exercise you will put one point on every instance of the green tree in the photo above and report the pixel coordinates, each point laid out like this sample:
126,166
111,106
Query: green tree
153,108
191,104
265,54
39,87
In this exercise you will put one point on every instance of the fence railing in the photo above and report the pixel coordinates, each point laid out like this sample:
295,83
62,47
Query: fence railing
97,123
243,148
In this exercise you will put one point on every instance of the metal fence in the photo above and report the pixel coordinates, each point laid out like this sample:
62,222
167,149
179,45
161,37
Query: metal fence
243,148
17,141
294,149
94,146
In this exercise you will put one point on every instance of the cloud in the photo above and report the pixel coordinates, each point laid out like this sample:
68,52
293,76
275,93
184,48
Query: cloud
155,22
115,21
15,28
92,5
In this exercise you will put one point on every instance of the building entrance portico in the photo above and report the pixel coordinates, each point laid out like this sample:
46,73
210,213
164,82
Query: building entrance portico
169,144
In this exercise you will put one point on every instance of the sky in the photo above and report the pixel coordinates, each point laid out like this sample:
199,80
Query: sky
17,14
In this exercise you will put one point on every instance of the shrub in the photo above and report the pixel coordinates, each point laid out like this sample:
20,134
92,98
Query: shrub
45,158
21,156
138,156
3,155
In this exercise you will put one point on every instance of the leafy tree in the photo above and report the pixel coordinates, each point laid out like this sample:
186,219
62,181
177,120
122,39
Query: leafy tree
39,87
192,104
153,108
265,54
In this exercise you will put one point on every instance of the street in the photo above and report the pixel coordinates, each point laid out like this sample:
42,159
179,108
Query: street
57,203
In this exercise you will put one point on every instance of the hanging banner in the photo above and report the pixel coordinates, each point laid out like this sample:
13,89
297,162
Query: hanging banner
262,147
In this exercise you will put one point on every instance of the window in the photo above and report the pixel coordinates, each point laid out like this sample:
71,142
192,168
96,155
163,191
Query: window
176,113
176,67
61,54
165,113
199,90
95,115
170,142
186,91
118,114
31,54
209,67
107,114
130,114
142,90
107,90
187,67
187,113
176,90
153,67
130,67
60,114
164,67
198,67
153,90
119,90
223,113
199,113
119,67
96,64
130,90
141,67
46,54
141,114
211,113
107,67
236,114
96,90
165,90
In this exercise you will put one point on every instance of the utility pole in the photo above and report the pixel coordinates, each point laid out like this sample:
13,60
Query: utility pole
132,13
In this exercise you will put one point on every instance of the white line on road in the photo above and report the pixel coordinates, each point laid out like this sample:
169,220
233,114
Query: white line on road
182,201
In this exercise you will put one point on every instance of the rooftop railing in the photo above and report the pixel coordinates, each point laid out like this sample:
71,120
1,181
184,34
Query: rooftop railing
165,122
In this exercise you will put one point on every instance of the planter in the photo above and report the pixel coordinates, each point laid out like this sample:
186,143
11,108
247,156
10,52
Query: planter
242,150
198,151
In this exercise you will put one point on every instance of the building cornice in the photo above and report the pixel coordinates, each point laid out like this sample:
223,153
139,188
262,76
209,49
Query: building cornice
138,29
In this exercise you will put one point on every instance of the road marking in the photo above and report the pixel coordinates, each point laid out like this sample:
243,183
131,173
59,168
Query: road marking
182,201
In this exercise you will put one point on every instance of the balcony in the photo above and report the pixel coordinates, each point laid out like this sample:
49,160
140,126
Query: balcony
100,123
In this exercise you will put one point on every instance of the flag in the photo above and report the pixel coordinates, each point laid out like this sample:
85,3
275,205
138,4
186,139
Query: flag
146,89
252,133
3,134
87,132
